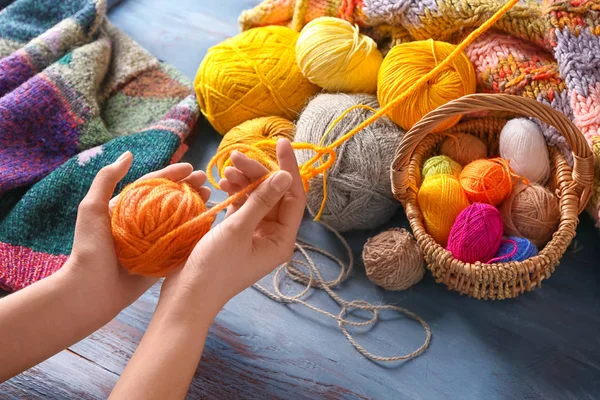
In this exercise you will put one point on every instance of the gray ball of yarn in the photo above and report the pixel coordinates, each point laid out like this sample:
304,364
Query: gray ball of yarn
359,194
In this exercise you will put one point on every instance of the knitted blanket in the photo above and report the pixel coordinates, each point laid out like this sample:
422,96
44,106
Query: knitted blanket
75,93
548,51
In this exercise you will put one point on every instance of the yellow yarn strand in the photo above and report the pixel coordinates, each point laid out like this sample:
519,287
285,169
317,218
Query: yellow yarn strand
329,129
307,170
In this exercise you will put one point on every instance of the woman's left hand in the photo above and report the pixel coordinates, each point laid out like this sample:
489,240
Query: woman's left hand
93,262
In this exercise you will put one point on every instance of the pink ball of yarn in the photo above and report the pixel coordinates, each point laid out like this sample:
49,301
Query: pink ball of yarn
476,234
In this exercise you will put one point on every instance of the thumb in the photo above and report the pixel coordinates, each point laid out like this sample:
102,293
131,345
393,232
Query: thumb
104,185
263,199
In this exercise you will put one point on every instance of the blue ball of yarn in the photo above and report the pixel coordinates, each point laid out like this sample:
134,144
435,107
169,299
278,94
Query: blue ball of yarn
525,249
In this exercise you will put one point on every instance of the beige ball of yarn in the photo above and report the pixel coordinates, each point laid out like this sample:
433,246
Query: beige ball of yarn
359,194
393,259
463,148
531,211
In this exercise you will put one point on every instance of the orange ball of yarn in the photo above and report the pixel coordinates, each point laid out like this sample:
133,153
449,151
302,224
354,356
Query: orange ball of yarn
441,199
487,181
156,224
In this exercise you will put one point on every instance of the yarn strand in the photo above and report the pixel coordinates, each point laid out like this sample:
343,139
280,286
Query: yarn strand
508,255
315,279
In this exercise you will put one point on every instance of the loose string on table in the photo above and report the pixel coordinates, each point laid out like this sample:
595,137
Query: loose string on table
314,279
325,155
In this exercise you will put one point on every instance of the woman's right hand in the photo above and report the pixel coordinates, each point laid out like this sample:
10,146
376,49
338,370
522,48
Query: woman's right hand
258,234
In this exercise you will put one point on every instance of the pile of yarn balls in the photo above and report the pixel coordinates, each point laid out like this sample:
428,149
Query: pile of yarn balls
255,85
311,77
490,209
272,82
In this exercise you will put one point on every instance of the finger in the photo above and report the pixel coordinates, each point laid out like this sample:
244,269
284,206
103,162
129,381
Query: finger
232,189
204,193
247,166
262,200
291,210
236,177
226,186
235,183
196,179
229,187
251,170
174,172
104,184
287,162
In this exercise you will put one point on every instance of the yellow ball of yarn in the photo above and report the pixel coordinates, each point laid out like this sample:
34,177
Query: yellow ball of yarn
333,54
441,198
405,64
441,165
254,131
253,74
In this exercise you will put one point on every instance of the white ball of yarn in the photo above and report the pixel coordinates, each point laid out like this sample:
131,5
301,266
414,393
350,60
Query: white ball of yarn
523,144
359,194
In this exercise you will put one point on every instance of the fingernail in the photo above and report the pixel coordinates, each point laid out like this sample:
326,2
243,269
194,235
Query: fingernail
281,181
122,157
239,154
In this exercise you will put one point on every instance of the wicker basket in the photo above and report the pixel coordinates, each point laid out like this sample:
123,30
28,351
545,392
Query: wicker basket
572,185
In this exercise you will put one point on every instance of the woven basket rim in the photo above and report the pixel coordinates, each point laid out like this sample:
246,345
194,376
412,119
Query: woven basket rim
573,189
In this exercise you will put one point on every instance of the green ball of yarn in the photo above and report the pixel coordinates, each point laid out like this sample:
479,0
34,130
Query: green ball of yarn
441,165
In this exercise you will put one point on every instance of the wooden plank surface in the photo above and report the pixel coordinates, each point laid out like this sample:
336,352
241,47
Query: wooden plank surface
543,345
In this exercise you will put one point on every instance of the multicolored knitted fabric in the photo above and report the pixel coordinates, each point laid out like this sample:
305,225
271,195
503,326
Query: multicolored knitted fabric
75,93
546,51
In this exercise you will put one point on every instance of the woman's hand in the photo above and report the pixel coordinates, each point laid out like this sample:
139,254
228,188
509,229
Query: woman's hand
93,262
88,291
257,235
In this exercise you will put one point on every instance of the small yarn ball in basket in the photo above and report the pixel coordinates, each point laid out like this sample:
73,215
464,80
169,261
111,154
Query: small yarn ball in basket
440,165
393,259
463,148
256,130
487,181
514,248
523,144
358,183
333,54
476,234
441,199
251,75
405,63
531,211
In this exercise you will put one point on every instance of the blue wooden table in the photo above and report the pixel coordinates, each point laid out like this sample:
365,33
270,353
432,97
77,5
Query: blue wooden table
542,345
